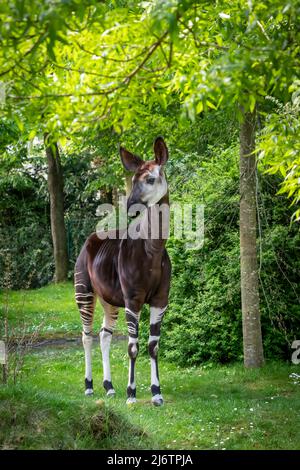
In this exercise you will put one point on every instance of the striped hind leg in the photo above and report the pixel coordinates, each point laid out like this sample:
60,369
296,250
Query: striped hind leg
109,321
85,299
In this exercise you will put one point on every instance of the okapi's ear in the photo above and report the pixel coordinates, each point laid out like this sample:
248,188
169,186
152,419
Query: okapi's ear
161,151
130,162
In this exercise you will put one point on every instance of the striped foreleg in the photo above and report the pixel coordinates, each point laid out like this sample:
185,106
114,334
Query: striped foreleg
132,319
156,316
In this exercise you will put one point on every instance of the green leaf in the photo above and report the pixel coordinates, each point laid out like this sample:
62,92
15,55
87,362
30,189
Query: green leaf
19,123
210,105
252,102
199,107
282,171
32,134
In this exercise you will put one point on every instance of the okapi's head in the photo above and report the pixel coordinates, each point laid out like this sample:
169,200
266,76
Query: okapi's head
149,183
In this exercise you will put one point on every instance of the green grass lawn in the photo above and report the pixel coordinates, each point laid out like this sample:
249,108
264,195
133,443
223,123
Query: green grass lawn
205,408
208,407
51,308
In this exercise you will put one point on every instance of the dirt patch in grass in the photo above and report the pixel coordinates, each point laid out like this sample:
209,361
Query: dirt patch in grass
61,340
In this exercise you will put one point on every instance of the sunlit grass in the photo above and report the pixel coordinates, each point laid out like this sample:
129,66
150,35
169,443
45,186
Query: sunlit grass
224,407
53,307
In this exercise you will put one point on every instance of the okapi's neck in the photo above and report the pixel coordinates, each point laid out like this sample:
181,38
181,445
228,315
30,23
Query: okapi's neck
155,227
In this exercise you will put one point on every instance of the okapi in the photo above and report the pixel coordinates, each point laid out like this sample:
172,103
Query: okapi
123,271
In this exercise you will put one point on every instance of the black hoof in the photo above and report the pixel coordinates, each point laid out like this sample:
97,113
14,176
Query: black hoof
157,400
88,387
108,387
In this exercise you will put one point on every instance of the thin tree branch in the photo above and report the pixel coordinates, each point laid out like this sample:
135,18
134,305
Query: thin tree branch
111,58
170,54
151,51
73,69
25,55
202,43
79,29
125,82
163,53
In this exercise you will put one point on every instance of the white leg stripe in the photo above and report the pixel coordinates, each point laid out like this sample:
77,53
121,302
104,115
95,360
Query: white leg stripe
131,330
157,397
135,315
153,338
105,340
154,378
156,314
109,322
81,294
87,344
133,340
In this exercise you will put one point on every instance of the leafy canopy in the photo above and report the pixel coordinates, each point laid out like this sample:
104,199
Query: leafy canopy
73,66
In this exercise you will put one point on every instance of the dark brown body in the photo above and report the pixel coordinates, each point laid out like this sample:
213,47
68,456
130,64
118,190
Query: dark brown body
125,271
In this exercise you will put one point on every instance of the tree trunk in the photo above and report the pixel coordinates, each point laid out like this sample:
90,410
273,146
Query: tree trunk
128,184
253,348
58,229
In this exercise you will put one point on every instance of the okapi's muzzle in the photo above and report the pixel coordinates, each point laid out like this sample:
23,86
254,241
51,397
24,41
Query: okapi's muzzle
135,205
135,208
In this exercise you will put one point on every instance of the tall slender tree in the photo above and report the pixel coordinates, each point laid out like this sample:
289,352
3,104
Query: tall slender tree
253,347
56,192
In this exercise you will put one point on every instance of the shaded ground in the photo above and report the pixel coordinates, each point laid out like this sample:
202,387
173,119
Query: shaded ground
52,342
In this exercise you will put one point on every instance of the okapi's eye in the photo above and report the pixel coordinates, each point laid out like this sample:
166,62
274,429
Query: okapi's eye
150,180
